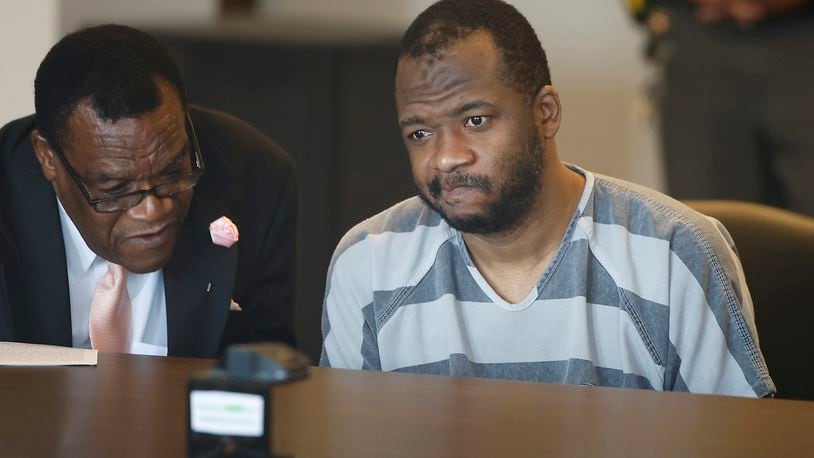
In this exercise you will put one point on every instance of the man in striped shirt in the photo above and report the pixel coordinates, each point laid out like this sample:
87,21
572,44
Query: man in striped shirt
511,264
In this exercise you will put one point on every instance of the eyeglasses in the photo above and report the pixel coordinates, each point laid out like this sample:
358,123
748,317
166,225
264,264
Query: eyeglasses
126,201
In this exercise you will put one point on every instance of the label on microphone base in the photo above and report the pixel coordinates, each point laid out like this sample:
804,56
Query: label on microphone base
226,413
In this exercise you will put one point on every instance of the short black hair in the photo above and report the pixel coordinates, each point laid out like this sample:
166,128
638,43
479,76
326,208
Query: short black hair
115,67
446,22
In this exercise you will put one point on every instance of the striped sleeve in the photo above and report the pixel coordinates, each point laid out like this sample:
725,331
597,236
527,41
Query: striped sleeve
659,251
373,262
348,292
712,319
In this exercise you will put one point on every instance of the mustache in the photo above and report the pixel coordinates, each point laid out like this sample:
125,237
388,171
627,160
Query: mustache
438,184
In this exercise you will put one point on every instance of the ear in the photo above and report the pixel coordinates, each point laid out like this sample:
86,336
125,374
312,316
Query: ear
45,155
547,111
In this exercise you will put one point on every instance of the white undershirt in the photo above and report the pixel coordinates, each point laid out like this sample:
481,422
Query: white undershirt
146,292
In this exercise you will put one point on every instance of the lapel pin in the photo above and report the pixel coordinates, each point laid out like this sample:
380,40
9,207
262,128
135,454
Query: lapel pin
224,232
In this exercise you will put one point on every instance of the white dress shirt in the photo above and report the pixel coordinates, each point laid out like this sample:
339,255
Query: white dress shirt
146,291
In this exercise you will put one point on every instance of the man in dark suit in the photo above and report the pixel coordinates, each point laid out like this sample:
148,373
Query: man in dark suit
108,199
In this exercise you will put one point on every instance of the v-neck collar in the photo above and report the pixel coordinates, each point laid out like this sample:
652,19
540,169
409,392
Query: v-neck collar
565,242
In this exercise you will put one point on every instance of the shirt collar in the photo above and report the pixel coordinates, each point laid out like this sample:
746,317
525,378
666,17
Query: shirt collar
78,255
587,190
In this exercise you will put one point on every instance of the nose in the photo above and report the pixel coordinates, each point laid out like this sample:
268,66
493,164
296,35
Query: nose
452,150
152,208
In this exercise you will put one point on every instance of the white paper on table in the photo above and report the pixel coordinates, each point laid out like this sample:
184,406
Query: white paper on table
22,354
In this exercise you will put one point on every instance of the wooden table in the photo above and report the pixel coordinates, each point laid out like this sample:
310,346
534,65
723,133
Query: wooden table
136,406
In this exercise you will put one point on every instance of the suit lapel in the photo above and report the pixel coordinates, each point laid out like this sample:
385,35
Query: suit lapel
200,277
198,283
41,305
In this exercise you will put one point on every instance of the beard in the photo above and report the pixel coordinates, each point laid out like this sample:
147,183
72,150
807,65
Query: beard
520,187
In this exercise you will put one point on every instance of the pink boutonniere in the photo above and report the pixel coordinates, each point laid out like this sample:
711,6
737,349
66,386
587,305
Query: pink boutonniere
224,232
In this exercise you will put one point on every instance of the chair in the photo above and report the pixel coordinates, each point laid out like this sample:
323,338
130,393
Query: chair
776,249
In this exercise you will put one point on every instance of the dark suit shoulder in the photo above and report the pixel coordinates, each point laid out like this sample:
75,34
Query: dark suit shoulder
15,131
241,145
14,137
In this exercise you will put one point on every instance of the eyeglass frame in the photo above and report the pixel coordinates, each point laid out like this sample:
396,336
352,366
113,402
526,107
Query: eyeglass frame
197,173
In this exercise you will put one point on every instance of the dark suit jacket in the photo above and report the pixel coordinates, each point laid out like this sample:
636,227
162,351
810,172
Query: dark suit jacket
6,331
248,179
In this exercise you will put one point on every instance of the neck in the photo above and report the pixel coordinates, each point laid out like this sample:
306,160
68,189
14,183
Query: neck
520,256
543,227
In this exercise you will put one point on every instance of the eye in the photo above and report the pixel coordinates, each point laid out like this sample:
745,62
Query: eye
176,171
171,176
476,121
177,168
419,134
113,187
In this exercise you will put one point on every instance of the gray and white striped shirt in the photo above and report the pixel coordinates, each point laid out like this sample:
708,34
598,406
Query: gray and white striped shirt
643,292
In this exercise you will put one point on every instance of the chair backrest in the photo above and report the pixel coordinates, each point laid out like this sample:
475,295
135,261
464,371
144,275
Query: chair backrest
776,248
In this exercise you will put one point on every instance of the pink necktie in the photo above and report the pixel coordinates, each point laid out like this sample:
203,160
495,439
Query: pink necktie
110,312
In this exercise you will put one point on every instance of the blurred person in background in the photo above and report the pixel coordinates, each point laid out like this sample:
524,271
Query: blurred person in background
735,97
